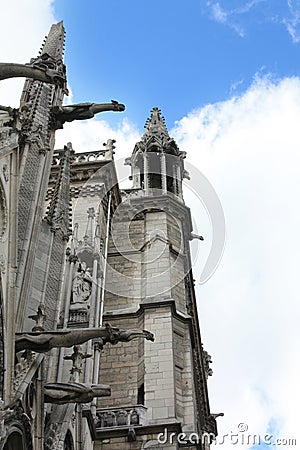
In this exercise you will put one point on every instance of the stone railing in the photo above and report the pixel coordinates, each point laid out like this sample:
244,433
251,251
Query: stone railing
121,417
78,316
82,158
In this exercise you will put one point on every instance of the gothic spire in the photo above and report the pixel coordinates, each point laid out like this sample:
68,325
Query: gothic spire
156,161
53,44
156,125
58,213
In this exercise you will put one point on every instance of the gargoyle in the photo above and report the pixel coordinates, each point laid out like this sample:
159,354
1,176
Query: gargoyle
115,335
42,73
42,342
82,111
71,392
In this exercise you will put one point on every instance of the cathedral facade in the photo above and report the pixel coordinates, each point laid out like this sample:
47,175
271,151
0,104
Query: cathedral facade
100,346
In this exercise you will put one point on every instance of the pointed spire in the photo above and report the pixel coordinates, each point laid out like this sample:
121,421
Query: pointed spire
156,125
156,161
58,213
54,43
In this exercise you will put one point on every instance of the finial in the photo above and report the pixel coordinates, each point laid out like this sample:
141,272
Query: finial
109,149
77,358
39,318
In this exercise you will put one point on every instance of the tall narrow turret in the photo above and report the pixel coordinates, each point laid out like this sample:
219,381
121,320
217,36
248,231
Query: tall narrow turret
36,144
156,162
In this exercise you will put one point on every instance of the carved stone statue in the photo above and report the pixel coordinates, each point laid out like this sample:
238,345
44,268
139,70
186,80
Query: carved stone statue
81,290
109,149
39,318
42,342
82,111
207,362
115,335
12,70
77,358
72,392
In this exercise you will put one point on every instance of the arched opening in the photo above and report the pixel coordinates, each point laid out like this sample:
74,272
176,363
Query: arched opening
154,168
141,395
68,443
14,442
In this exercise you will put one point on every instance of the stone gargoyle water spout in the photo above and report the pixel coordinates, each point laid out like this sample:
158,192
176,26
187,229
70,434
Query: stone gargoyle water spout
82,111
72,392
42,342
35,71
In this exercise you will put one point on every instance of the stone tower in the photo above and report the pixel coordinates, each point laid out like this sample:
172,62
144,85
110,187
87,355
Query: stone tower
150,285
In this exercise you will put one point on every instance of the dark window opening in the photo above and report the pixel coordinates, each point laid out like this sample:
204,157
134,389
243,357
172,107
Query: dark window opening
141,395
14,442
154,170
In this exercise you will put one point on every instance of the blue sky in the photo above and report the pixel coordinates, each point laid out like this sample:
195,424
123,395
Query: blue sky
227,73
173,54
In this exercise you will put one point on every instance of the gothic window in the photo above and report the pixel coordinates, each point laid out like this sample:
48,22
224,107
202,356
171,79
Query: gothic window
154,169
141,395
171,181
68,443
14,442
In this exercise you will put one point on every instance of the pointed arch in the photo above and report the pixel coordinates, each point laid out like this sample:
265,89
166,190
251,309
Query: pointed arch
68,442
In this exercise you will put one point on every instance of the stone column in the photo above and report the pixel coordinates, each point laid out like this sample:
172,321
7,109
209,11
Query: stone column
163,165
179,182
146,174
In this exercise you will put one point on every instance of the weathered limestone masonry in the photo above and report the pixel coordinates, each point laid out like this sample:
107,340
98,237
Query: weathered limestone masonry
150,285
88,274
35,150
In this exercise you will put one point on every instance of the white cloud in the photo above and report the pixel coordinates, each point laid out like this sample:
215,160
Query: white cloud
249,148
218,13
22,33
89,135
292,22
230,16
286,13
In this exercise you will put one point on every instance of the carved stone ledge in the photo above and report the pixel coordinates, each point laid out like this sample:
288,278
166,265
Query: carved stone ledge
78,316
127,416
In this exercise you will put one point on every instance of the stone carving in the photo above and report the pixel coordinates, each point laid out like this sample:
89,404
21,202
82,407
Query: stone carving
81,289
109,149
115,335
2,264
207,362
72,392
24,362
39,318
53,436
119,417
8,124
35,71
5,171
82,111
42,342
77,358
5,414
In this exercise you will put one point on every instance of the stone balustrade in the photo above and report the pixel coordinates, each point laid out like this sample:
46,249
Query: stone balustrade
121,417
